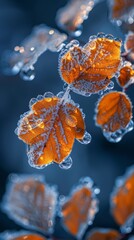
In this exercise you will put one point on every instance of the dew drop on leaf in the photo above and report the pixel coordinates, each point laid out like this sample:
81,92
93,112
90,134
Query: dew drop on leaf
66,164
28,75
86,138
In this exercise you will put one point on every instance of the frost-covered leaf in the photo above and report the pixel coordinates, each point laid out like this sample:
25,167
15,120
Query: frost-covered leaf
30,202
122,12
78,210
71,17
129,46
103,234
126,75
20,236
89,69
26,54
113,115
122,201
50,128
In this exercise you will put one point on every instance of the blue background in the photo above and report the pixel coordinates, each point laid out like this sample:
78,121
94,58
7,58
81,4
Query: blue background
101,160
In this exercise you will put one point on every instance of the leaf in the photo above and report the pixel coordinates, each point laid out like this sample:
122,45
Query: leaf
122,13
71,16
122,204
50,128
20,236
29,237
103,234
31,203
114,111
126,75
89,69
129,46
79,209
25,55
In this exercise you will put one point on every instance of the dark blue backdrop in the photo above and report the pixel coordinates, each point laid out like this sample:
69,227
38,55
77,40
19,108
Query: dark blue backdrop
101,160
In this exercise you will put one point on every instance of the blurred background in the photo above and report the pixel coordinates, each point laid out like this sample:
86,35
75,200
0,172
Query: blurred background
101,160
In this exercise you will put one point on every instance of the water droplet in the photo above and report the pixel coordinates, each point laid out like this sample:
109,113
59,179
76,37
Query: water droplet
83,115
48,95
118,39
93,37
119,22
101,35
86,181
16,131
77,33
100,92
118,135
128,226
110,86
96,191
60,94
86,139
109,36
90,222
65,86
71,120
40,97
32,101
66,164
72,43
28,75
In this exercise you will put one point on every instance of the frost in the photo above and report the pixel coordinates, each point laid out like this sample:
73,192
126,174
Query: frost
122,13
10,235
78,210
122,205
30,202
71,17
26,55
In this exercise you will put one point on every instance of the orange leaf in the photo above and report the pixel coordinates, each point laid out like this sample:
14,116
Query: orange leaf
120,7
29,237
121,12
114,111
122,200
31,203
78,210
129,45
50,128
126,76
89,69
103,234
73,14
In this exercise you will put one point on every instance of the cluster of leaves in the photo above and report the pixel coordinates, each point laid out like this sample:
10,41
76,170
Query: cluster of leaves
77,211
53,122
